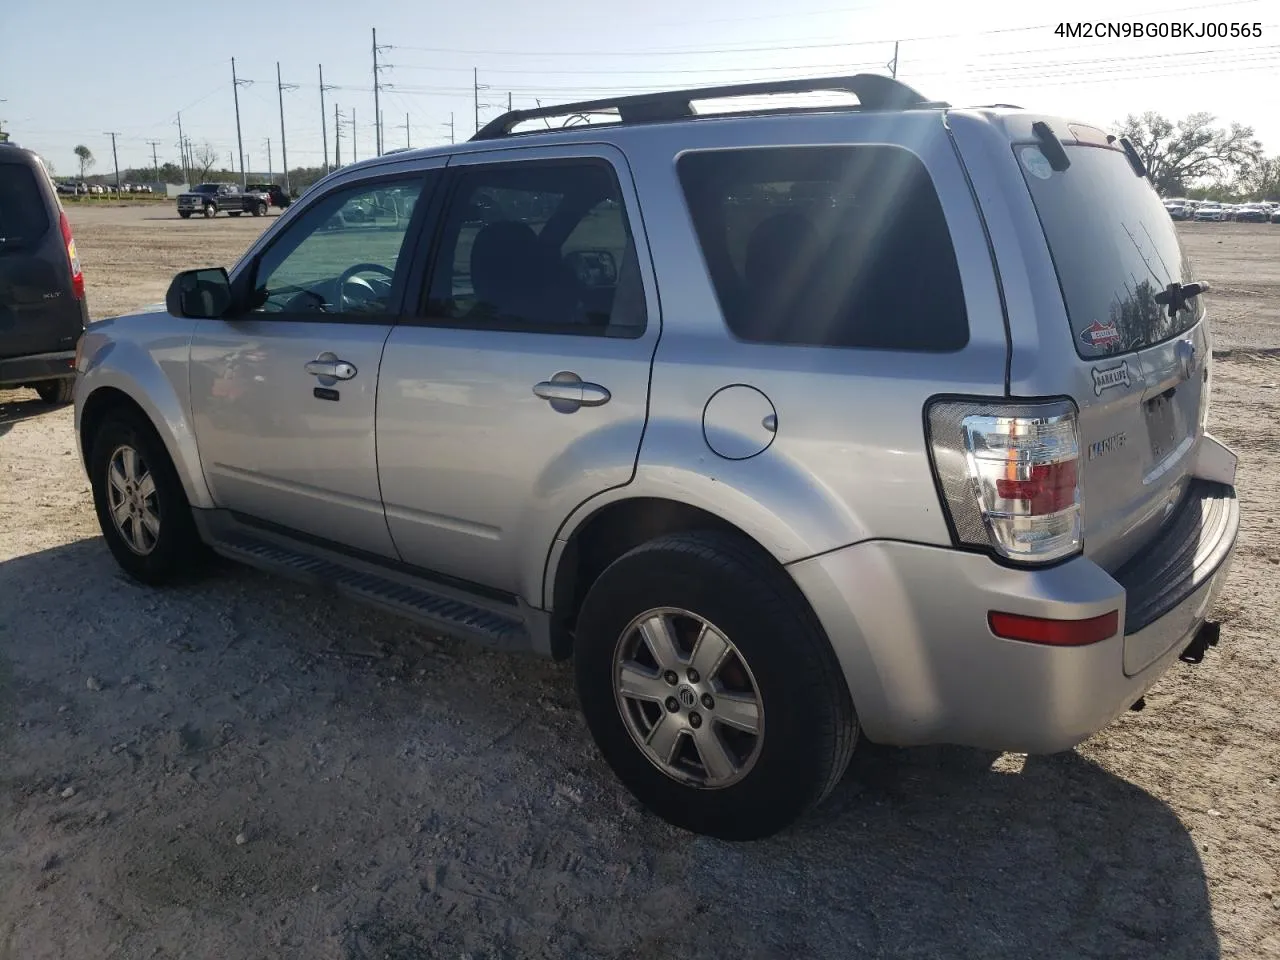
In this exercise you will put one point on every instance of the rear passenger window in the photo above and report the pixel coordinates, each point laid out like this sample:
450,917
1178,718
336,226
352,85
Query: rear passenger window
22,215
827,246
538,246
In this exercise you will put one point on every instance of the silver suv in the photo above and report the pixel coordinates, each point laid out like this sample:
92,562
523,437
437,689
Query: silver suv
787,425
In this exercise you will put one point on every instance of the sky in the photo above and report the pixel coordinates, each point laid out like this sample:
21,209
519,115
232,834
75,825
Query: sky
126,68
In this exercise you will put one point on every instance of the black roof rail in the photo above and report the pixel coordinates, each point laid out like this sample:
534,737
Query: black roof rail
874,92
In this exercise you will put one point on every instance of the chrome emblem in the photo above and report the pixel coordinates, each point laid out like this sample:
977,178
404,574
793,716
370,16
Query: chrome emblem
1187,358
687,696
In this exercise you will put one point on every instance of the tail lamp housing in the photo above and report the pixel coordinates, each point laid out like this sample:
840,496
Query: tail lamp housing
73,260
1009,474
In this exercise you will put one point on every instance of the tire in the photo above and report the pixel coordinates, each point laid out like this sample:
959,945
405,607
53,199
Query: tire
185,214
259,209
779,656
57,392
210,211
234,213
174,549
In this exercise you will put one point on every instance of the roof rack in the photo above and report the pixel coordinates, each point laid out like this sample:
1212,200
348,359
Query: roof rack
874,92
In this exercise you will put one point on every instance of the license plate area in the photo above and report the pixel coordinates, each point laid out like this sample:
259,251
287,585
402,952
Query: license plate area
1162,425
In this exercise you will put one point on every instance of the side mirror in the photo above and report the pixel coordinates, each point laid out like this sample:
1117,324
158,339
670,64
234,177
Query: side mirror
199,294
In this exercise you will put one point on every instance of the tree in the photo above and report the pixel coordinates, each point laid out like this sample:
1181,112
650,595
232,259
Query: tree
1261,179
85,156
203,158
1179,154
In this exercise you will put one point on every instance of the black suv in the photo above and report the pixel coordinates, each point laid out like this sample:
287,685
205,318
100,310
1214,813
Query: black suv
42,304
278,197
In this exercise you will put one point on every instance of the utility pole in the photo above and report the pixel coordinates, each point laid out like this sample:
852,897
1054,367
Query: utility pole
508,101
324,129
284,150
271,170
893,64
407,144
182,150
235,87
377,87
337,138
451,140
112,134
475,92
353,135
154,161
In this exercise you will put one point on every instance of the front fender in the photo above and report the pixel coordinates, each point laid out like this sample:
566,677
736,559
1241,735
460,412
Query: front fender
145,357
769,497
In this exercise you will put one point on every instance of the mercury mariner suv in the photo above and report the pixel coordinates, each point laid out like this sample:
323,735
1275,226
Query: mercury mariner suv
788,425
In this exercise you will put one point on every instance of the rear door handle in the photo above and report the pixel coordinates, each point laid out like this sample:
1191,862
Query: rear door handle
567,391
328,365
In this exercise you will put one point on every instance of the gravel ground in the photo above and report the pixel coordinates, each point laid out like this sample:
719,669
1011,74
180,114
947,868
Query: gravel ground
241,768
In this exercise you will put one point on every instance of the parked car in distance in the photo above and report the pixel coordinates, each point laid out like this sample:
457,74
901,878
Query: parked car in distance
1252,213
1275,215
276,192
1209,212
210,199
43,310
1178,209
439,387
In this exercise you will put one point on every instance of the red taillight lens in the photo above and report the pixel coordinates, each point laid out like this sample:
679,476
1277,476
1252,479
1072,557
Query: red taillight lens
1050,488
1009,473
1054,633
77,275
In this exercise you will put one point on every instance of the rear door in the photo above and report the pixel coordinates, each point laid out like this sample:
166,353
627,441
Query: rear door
1137,364
39,312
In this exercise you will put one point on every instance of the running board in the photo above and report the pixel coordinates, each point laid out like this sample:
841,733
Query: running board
444,609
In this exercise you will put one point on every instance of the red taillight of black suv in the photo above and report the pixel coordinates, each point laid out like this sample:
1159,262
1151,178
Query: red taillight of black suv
77,275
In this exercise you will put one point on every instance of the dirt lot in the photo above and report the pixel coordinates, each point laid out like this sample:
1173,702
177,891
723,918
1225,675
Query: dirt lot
241,769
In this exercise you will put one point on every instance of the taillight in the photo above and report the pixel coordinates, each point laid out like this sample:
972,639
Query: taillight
1009,473
77,275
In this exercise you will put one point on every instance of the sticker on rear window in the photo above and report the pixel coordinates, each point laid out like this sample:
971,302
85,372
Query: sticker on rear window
1036,163
1100,335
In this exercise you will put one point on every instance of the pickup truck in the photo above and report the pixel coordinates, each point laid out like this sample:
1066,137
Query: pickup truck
273,190
211,198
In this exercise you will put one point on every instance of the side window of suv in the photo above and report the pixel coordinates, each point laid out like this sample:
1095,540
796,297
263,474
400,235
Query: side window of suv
340,256
827,246
538,246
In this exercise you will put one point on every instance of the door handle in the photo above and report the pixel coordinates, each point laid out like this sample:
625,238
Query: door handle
567,391
327,365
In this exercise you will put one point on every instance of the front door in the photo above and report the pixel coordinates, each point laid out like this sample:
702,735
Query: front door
283,394
521,390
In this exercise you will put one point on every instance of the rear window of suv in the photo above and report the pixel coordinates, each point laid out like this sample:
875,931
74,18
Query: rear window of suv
827,246
1113,246
23,218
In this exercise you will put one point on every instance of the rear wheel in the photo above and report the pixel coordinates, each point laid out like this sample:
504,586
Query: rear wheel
710,687
141,506
210,211
57,392
259,209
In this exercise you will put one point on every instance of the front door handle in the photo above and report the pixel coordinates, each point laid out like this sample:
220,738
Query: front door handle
328,365
567,392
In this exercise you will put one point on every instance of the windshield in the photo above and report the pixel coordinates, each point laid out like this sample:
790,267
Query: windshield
1113,246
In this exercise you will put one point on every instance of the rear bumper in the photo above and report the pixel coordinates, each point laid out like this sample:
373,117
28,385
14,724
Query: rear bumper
908,623
20,371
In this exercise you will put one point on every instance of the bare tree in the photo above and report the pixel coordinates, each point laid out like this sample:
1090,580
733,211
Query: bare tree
1178,154
203,158
85,156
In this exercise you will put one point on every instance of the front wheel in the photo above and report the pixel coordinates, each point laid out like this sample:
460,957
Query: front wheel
210,211
141,506
710,688
57,392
